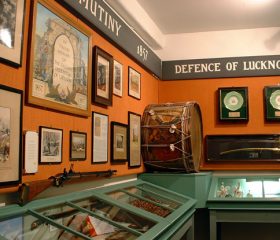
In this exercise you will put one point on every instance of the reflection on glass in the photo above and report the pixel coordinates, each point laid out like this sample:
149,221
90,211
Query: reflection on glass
272,188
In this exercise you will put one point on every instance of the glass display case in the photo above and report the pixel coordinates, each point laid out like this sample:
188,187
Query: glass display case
133,210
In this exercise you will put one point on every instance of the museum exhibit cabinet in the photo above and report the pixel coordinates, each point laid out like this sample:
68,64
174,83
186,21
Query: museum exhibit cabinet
241,205
131,210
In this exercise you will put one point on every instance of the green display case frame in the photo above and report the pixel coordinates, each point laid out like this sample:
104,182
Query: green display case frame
272,103
233,104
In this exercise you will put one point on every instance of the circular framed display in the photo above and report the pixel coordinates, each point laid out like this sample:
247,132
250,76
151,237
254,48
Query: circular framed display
275,99
233,100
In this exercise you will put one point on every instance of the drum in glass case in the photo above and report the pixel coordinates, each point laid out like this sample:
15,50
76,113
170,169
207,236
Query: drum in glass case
172,137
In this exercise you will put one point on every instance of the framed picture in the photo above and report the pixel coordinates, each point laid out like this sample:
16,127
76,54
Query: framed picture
134,139
10,135
51,140
103,77
78,145
118,142
118,79
272,103
99,138
11,29
233,103
60,61
134,83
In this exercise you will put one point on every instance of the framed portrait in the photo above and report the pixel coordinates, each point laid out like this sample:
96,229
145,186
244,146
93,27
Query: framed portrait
118,79
103,77
11,31
60,61
51,140
272,103
78,145
118,142
134,83
99,138
233,103
134,139
10,135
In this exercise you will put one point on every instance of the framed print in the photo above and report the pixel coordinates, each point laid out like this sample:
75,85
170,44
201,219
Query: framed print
99,138
51,140
134,83
103,77
134,139
60,61
118,79
233,103
78,145
11,31
10,135
272,103
118,142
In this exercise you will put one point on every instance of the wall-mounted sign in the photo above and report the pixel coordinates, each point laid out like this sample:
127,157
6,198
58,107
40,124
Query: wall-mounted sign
99,15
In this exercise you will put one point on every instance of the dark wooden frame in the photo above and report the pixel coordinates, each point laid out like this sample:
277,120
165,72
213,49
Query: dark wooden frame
130,93
271,113
84,134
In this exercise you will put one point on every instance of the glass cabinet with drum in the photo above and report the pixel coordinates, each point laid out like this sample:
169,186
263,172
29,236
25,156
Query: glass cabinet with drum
132,210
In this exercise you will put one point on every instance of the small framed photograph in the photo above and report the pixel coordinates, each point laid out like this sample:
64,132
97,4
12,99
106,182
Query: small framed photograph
78,145
134,139
118,79
272,103
99,138
60,61
134,83
103,77
233,103
51,140
118,142
11,31
10,135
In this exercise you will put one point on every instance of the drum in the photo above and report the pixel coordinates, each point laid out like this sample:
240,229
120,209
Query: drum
172,137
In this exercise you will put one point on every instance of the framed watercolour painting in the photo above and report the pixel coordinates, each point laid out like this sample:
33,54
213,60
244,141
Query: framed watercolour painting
134,83
118,79
99,138
78,145
103,77
60,61
51,140
272,103
233,103
134,139
10,135
11,31
118,142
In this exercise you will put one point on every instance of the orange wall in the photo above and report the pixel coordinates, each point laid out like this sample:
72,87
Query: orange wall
33,117
204,91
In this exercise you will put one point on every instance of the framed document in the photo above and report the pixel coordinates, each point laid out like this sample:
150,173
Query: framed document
134,139
103,77
11,31
78,145
60,61
118,79
118,142
10,135
272,103
134,83
51,140
99,138
233,103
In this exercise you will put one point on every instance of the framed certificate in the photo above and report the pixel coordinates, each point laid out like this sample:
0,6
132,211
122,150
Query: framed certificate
272,102
233,103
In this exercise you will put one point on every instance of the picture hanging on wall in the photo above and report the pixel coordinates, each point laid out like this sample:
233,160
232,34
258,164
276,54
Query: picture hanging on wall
78,145
134,83
99,138
60,61
233,103
103,77
11,31
272,103
10,135
118,142
118,79
134,139
51,140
